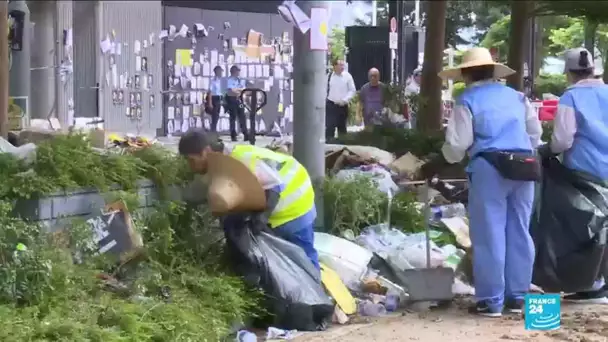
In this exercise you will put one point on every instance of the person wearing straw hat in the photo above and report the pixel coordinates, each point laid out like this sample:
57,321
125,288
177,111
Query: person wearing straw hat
500,131
246,179
580,132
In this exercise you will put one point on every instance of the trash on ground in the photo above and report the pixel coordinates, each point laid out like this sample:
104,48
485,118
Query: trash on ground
284,272
406,166
365,152
25,152
281,334
380,175
336,288
346,258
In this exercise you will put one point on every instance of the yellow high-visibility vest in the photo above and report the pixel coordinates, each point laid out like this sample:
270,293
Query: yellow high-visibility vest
297,197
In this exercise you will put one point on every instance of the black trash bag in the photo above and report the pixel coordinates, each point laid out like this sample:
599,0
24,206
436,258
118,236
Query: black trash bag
282,270
568,230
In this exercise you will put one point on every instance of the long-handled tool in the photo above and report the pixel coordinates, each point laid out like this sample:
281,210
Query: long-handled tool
253,105
430,283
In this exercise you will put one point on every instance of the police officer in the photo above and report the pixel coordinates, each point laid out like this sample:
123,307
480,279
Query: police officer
214,97
235,85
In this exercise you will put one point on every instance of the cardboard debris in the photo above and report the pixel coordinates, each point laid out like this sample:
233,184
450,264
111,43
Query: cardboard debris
365,152
115,233
345,158
407,165
459,226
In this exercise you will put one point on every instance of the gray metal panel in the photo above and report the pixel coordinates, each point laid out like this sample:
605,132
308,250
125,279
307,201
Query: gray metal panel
43,70
85,48
240,24
177,17
65,90
132,21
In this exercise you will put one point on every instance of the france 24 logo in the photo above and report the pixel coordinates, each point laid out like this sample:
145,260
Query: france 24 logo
542,311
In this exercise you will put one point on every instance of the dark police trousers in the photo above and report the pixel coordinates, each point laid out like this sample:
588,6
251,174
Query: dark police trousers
236,112
216,101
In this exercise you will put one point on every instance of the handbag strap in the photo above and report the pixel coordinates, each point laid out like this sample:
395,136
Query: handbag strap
328,81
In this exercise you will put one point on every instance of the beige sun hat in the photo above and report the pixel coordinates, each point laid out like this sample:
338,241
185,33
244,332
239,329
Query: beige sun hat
474,57
233,187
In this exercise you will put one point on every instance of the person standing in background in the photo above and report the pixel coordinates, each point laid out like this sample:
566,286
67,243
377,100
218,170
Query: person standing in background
371,98
236,111
214,97
413,88
340,90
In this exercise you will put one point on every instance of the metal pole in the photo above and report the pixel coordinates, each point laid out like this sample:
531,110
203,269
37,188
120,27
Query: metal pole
20,73
417,13
374,13
4,77
310,91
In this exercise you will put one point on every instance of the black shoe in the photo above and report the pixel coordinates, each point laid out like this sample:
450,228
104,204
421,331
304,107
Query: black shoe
589,297
482,309
233,139
514,306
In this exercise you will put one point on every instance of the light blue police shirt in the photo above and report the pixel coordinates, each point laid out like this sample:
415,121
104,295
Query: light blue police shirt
216,86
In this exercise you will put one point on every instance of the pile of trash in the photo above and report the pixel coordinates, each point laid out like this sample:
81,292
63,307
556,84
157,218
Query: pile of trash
368,265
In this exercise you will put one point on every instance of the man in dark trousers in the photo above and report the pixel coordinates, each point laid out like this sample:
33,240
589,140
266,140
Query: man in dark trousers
340,90
214,97
235,85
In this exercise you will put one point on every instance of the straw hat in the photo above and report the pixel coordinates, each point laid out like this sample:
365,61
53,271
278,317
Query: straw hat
474,57
232,186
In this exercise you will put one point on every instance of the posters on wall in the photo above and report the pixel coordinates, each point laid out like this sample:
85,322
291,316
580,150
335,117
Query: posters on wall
264,62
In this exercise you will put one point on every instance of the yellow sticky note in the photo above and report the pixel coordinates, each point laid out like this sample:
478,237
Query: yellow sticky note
280,109
183,57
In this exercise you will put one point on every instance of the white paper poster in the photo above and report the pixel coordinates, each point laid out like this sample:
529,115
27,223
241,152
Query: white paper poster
318,28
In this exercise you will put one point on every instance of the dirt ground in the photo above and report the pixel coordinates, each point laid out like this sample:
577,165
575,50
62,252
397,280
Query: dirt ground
579,324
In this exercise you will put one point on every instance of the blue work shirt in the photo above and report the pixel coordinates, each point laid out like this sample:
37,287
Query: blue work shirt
586,102
235,82
216,87
499,118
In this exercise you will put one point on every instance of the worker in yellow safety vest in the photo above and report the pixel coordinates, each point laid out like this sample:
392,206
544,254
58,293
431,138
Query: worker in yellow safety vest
290,206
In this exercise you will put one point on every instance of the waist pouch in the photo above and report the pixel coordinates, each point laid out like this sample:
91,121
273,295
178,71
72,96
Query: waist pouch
516,166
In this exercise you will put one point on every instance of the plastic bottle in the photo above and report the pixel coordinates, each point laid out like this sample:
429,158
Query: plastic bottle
452,210
246,336
392,301
367,308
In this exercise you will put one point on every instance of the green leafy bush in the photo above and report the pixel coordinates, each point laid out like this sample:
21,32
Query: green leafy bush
357,203
395,140
44,296
552,84
458,89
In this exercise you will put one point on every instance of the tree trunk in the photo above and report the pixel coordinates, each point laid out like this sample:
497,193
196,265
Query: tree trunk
605,74
519,41
4,73
538,51
590,32
431,105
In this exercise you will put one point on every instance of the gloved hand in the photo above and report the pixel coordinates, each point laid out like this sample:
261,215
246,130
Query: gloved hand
432,167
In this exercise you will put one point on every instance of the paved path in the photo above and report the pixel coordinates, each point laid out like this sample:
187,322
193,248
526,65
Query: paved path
579,324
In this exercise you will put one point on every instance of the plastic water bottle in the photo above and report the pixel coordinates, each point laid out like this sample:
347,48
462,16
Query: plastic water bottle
246,336
392,301
367,308
451,210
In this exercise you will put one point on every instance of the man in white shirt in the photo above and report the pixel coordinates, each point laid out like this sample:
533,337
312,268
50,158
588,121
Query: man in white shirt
340,90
